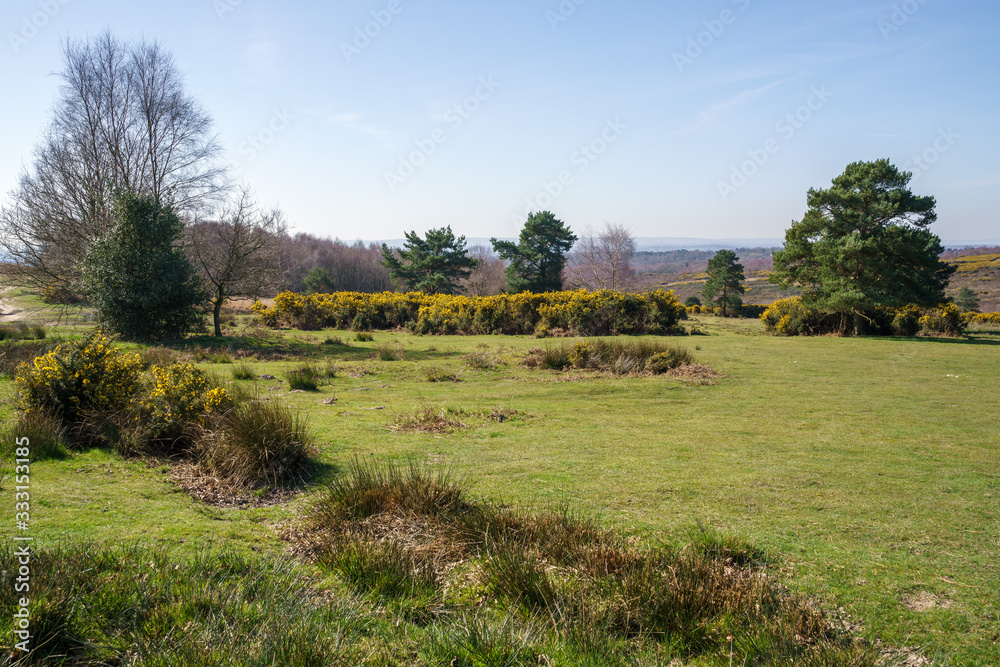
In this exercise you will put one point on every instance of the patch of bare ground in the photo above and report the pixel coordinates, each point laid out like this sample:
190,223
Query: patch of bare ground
695,373
925,601
218,493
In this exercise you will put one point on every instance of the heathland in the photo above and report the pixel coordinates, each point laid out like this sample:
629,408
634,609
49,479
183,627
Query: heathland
856,478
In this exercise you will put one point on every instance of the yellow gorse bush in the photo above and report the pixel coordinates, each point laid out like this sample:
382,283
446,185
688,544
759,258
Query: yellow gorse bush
182,394
791,317
86,375
584,313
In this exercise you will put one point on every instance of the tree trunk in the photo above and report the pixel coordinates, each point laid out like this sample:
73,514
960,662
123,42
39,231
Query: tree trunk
219,299
859,324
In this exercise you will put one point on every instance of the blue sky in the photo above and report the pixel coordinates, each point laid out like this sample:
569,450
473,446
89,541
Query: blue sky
681,119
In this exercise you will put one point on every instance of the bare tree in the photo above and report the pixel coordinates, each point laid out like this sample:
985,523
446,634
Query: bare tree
238,255
487,277
122,122
602,259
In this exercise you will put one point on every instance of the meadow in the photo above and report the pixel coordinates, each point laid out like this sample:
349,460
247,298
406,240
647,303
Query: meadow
864,472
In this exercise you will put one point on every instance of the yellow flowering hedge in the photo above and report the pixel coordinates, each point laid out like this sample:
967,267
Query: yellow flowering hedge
81,376
985,318
583,313
791,317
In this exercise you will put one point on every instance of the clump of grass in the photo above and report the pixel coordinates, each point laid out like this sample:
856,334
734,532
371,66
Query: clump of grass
244,371
618,356
47,437
390,351
364,336
481,360
586,591
22,331
258,443
98,605
304,377
336,340
440,375
428,420
157,356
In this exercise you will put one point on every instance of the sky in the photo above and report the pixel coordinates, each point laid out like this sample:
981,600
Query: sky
366,119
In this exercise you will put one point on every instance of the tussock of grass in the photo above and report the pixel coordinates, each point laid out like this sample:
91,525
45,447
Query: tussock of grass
390,351
244,371
364,337
308,377
47,437
428,420
581,590
618,356
257,443
440,375
22,331
482,360
120,605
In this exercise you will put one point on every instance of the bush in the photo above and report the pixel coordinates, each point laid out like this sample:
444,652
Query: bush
906,321
946,320
257,443
788,317
181,397
81,376
584,313
12,355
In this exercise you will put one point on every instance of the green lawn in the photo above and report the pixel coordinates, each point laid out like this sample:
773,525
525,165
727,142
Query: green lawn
869,468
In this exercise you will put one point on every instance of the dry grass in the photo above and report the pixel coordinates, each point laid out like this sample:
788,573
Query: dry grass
428,420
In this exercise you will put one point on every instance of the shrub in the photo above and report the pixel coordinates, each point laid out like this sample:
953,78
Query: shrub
669,359
364,337
906,321
157,356
81,376
257,443
584,313
946,320
788,317
482,361
181,397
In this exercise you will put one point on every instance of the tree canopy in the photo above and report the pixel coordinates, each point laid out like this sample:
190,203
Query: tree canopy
538,258
434,265
864,243
137,275
725,282
122,121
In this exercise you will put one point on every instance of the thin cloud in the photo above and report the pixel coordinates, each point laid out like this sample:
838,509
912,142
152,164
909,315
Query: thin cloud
710,113
350,121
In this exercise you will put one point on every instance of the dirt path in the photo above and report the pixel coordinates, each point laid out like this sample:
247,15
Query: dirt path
8,311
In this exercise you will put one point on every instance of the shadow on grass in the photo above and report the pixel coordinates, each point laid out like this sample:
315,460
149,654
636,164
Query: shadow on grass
971,339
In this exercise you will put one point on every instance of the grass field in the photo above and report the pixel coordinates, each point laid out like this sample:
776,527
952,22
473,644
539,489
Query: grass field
867,469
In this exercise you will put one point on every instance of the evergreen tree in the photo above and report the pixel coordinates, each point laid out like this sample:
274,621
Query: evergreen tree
864,243
725,282
435,265
967,300
537,260
138,277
